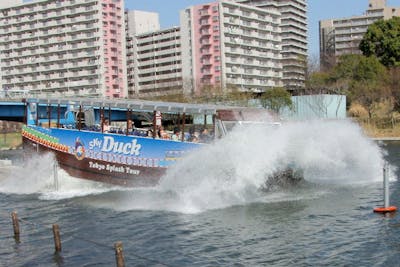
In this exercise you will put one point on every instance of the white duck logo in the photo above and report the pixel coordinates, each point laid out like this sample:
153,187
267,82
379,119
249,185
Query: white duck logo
79,149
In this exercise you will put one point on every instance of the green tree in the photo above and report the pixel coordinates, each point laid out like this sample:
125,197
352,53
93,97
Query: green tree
394,83
319,81
364,79
382,39
276,99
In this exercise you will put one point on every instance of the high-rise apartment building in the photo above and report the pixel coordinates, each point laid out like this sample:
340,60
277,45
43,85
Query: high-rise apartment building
293,15
94,47
154,56
159,67
64,47
343,36
137,22
226,44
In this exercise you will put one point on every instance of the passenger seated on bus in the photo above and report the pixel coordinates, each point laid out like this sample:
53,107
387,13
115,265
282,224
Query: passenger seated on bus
130,127
106,126
186,136
163,134
193,135
176,136
149,133
143,133
204,136
135,132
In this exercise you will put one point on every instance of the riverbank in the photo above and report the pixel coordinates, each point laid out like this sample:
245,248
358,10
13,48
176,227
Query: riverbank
388,133
11,140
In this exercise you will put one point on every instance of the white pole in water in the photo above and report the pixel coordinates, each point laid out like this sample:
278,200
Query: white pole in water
386,208
55,174
386,184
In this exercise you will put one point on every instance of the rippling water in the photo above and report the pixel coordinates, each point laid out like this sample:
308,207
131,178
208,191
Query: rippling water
210,214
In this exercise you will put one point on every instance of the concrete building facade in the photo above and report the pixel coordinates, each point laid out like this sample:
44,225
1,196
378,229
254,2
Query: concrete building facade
154,56
159,63
96,48
137,22
69,47
293,16
343,36
226,44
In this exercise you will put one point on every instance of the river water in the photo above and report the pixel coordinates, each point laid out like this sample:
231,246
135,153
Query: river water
209,211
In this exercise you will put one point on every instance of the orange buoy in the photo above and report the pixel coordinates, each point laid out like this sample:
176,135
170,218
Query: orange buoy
385,209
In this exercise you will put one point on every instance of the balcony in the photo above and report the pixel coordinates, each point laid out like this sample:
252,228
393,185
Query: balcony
205,51
204,12
205,23
205,43
205,32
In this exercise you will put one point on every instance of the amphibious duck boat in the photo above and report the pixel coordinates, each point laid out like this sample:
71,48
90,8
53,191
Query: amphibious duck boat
125,142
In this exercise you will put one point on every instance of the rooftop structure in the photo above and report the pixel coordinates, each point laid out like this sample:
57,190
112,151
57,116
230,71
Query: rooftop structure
139,22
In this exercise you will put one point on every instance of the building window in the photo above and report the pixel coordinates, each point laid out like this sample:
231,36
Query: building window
203,21
247,41
246,23
248,71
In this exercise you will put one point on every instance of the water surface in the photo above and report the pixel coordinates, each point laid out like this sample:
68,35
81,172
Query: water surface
212,214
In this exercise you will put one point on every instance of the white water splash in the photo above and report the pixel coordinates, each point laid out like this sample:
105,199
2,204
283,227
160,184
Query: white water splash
33,176
71,187
36,176
228,172
231,171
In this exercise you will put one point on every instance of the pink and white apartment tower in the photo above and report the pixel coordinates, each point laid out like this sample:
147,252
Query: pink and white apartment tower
63,47
225,44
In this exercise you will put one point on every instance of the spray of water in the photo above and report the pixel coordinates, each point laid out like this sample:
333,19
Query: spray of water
70,187
32,177
229,171
36,176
